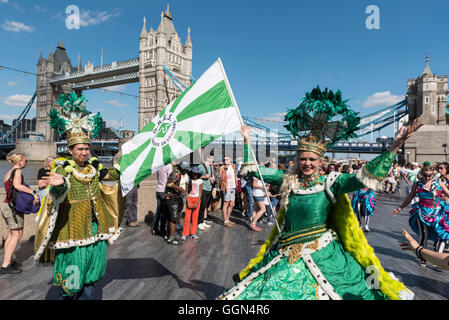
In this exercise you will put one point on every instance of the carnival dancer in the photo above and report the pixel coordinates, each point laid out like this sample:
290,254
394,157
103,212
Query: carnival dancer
80,215
424,215
363,203
442,227
321,252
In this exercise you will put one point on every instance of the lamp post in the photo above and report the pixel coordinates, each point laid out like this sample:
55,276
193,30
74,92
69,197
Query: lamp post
445,153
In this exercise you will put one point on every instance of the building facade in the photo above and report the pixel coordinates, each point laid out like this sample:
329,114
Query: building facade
427,100
156,49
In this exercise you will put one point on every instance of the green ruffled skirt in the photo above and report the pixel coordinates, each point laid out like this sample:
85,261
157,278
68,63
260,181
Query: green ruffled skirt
79,266
294,281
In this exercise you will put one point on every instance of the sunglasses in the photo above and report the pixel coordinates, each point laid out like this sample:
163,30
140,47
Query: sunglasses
440,168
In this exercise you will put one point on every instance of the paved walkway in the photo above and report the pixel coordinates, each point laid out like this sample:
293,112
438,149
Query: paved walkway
143,266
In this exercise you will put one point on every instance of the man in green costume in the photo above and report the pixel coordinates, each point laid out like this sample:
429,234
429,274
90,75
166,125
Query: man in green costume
80,214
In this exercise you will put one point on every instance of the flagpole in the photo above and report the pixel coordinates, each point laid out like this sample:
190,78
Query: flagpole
234,102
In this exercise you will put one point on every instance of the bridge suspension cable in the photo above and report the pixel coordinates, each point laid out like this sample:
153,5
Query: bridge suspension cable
8,135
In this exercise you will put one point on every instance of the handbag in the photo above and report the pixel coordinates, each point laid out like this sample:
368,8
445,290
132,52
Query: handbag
22,201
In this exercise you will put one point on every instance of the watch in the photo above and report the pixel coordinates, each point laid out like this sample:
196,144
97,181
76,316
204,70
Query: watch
34,192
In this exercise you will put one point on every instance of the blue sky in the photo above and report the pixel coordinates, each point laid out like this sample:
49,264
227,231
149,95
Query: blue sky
273,51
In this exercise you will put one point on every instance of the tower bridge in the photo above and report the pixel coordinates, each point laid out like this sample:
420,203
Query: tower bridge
164,68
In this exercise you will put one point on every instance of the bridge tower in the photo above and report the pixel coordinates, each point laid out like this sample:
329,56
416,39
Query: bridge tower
156,49
427,100
46,94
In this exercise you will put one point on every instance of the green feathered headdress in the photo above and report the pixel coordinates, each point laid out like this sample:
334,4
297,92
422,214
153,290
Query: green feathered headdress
74,119
313,117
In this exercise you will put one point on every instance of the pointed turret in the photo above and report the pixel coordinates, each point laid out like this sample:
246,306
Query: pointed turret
161,29
427,70
188,40
60,46
143,33
41,59
167,12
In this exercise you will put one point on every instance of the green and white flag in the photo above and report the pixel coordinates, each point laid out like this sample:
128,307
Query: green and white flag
203,112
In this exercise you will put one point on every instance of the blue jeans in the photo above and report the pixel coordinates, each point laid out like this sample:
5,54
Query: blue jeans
249,195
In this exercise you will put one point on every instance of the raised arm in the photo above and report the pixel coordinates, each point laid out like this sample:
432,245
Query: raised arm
269,175
407,200
374,172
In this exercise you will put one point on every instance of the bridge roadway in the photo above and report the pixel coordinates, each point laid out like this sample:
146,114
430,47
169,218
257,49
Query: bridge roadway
142,267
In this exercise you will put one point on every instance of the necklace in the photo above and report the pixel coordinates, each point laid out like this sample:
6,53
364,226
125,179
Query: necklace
305,182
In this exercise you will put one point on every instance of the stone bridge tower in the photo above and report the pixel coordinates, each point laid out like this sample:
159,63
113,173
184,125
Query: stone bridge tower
159,48
46,94
427,100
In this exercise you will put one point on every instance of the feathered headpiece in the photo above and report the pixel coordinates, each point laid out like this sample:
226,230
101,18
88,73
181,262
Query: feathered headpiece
75,120
312,121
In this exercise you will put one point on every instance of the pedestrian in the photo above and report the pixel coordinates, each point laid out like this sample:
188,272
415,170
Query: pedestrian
78,225
425,213
248,192
259,202
13,179
216,192
131,200
194,190
228,184
183,184
410,175
43,190
159,219
206,170
173,202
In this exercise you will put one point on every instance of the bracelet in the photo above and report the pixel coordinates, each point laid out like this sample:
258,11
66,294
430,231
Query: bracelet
418,252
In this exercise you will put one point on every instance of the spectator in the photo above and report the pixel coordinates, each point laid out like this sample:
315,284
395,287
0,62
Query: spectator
194,190
183,184
216,192
13,179
259,200
207,172
173,202
42,184
228,184
131,207
411,176
159,220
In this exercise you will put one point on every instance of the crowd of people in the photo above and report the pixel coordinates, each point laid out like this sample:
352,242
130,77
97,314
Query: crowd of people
195,191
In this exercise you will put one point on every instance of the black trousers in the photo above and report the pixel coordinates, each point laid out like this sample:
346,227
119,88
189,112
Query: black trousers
206,199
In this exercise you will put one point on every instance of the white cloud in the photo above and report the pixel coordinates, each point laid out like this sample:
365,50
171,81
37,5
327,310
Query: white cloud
17,100
8,117
112,123
4,1
382,99
92,18
11,83
16,26
118,87
40,9
116,103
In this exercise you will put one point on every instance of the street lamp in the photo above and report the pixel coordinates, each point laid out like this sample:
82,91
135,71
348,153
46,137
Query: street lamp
445,153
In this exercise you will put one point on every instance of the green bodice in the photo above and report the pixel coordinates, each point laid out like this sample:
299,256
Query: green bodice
308,209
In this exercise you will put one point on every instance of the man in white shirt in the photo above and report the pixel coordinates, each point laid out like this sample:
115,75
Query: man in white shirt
411,176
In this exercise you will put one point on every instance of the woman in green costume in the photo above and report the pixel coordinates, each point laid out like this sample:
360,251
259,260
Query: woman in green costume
321,252
76,222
